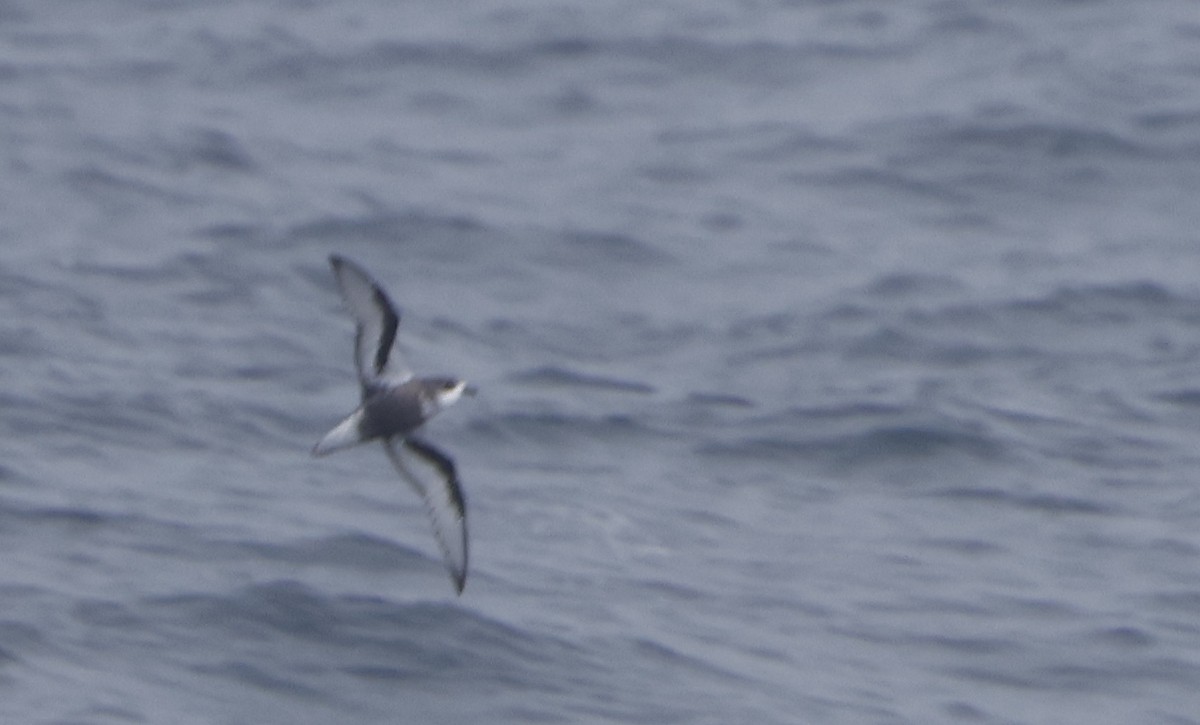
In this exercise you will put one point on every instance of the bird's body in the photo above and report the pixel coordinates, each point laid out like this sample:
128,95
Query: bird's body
396,411
394,405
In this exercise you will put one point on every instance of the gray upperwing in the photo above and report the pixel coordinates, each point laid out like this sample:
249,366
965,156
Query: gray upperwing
433,475
377,322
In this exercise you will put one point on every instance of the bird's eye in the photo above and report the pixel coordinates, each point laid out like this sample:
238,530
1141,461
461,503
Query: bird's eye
449,385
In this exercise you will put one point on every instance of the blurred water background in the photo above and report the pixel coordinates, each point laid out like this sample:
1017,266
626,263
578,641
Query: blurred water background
840,361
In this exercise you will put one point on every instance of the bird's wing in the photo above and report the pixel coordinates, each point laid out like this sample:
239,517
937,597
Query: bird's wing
377,361
432,474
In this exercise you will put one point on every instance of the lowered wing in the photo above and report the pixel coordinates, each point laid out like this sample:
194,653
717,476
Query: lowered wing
432,474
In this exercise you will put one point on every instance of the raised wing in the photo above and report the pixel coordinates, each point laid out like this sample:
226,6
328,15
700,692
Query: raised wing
432,474
377,321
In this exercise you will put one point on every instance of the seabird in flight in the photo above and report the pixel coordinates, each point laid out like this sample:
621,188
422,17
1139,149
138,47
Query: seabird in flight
394,405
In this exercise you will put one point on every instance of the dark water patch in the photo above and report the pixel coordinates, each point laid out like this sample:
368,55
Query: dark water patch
1038,140
22,343
294,610
856,433
1104,674
762,608
242,233
1184,398
1110,304
923,603
214,282
137,71
352,550
96,417
997,677
654,654
646,667
671,590
144,274
874,445
1063,322
718,400
848,413
247,674
1098,675
871,182
553,428
445,238
40,301
965,546
581,250
962,645
1185,601
1029,420
1109,452
13,13
1184,122
68,516
214,148
758,62
774,324
238,424
960,711
390,55
284,607
118,190
551,375
765,142
196,278
913,284
386,674
1038,607
685,175
592,342
1057,504
283,60
896,343
17,637
269,56
7,658
105,613
1039,502
87,531
973,23
193,148
1127,637
104,715
721,222
301,639
848,312
391,227
920,441
8,474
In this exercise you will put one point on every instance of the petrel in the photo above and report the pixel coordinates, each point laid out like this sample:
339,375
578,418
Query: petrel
394,405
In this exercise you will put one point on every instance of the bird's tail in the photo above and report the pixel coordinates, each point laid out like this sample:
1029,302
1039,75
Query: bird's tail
342,435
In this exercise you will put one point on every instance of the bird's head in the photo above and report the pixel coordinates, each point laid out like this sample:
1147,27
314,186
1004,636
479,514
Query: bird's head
444,392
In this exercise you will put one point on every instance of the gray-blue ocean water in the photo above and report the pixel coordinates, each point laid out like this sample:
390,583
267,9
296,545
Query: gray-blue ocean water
840,361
